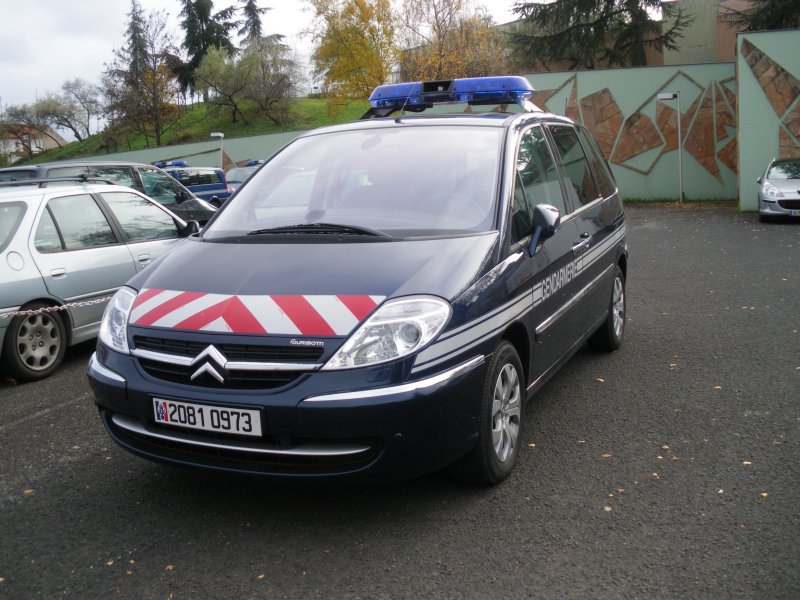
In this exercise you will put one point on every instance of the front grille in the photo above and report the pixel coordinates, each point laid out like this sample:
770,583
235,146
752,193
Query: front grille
793,204
265,379
240,352
254,380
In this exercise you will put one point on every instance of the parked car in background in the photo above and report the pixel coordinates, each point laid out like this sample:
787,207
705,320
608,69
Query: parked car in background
238,175
207,183
64,250
779,190
147,179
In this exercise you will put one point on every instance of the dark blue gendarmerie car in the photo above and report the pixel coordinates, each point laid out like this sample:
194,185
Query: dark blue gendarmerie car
379,300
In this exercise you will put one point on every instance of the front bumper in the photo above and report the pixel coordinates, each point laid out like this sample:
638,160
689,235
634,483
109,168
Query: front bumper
787,207
316,427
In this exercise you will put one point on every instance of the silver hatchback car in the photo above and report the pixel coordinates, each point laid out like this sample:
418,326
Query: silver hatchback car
779,189
64,251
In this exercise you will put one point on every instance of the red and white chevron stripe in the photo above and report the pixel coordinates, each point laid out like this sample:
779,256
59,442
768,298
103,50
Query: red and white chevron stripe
313,315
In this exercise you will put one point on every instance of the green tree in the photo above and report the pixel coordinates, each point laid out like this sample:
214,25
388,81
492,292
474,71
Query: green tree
354,47
766,15
203,29
274,77
591,33
139,85
226,77
250,24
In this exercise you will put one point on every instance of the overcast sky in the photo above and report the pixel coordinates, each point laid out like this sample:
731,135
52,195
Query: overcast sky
44,43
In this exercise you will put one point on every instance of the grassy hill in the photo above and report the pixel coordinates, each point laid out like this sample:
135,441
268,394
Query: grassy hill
196,122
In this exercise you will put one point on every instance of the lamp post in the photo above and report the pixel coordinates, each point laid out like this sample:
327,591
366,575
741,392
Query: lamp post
221,136
677,96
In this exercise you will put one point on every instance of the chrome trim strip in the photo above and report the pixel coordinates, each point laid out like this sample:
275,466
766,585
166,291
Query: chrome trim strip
97,367
100,294
540,329
310,449
402,389
231,365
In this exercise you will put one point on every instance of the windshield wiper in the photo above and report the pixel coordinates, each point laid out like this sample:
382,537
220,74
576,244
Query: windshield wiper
321,229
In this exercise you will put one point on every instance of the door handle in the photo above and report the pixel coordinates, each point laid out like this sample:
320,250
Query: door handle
144,258
581,244
58,272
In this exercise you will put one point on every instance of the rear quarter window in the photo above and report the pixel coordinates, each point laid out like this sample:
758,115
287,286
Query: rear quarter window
10,217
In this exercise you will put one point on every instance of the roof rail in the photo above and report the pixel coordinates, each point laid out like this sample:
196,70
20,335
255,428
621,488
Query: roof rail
42,182
421,95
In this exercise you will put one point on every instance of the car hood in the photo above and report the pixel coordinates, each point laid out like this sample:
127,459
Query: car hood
299,289
786,185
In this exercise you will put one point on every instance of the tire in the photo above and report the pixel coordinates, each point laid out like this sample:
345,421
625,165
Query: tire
500,421
34,346
609,336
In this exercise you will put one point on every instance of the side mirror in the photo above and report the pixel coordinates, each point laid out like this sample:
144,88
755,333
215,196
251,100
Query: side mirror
759,180
190,228
546,220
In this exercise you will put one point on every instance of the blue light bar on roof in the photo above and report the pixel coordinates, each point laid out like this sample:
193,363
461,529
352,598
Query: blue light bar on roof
473,90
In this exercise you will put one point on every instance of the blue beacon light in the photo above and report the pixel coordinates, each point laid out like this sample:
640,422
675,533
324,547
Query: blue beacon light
472,90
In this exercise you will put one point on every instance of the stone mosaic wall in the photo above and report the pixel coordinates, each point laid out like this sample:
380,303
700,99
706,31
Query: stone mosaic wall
708,124
782,91
768,67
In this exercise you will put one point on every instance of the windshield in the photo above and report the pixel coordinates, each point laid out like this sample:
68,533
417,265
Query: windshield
239,174
789,169
401,181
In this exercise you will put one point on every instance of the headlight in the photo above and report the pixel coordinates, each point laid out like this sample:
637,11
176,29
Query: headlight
113,328
771,191
397,329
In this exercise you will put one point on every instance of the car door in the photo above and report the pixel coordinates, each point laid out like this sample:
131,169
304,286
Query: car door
594,194
552,261
149,230
80,256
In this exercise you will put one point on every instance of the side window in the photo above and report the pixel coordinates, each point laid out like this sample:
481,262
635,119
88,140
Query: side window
536,181
81,222
576,166
159,186
119,175
140,220
602,174
47,239
57,172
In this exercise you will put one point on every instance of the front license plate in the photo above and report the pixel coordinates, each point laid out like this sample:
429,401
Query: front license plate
208,418
795,213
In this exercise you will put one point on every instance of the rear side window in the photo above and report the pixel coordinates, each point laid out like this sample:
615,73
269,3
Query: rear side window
76,221
119,175
199,177
16,175
10,216
140,220
602,174
579,181
159,186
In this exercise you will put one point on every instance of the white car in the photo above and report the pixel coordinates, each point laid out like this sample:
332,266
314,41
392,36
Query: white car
64,251
779,190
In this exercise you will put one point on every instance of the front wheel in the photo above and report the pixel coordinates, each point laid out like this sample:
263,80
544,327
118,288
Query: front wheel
609,336
34,345
500,420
